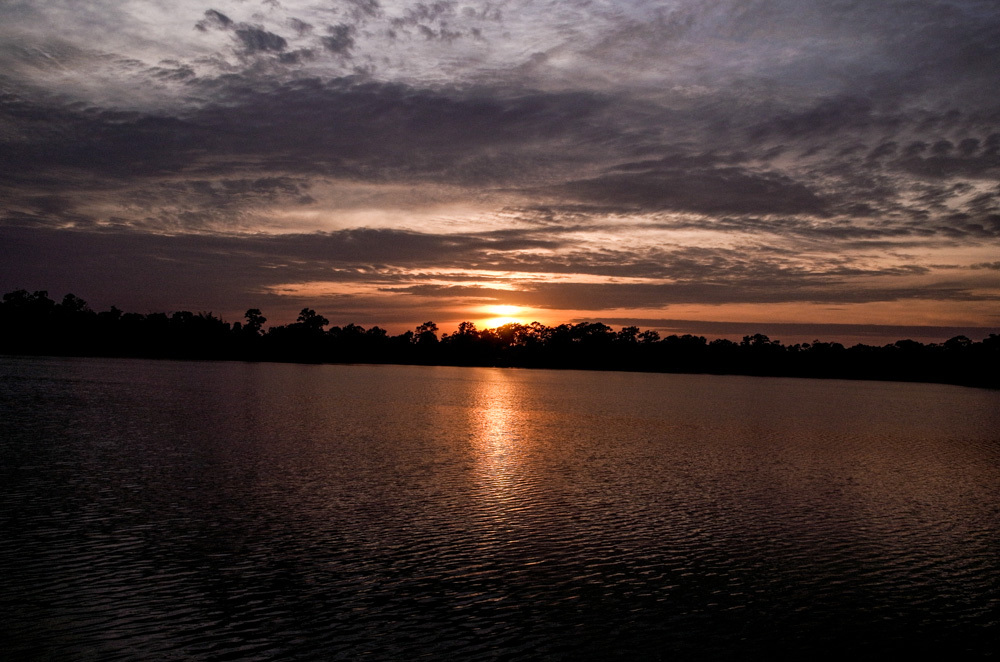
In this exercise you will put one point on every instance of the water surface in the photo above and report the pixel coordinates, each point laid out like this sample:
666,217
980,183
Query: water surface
221,511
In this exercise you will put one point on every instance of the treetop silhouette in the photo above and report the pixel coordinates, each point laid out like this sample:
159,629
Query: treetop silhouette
32,323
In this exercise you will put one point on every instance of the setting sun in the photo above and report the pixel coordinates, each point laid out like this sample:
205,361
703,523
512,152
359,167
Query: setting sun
504,311
503,314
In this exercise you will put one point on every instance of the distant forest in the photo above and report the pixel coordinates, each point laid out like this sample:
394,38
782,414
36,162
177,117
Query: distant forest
33,324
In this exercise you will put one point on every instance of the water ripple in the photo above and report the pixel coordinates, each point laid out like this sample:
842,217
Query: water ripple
208,511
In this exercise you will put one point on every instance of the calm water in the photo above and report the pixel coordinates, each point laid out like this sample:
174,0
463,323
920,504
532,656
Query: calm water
225,511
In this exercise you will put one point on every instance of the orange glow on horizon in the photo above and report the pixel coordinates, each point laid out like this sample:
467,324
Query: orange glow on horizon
504,314
495,322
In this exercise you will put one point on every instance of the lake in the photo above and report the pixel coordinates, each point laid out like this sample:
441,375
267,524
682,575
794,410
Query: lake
157,510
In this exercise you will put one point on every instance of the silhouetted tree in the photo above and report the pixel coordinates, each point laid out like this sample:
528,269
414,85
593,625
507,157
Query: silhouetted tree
426,333
958,343
31,322
255,321
758,340
74,304
311,321
629,334
467,330
649,337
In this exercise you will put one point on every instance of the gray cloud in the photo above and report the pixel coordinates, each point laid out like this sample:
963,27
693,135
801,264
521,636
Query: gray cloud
711,191
214,19
256,40
943,165
365,8
309,126
207,268
340,39
301,27
613,296
252,38
700,143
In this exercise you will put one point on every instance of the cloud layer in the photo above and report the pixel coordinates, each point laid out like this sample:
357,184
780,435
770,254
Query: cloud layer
398,161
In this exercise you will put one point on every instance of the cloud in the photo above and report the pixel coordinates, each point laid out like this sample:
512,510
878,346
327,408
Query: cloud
301,27
943,165
825,117
329,128
252,38
615,296
365,8
340,39
714,152
214,20
718,190
256,40
208,268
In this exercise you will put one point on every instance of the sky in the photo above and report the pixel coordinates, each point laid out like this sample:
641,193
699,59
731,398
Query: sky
803,168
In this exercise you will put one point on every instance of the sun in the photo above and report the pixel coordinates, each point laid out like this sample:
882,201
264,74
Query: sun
503,311
502,314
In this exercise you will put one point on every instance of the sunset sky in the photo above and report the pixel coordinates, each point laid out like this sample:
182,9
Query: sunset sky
804,168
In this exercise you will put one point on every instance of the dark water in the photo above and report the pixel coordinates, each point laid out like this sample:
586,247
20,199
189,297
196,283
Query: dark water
174,511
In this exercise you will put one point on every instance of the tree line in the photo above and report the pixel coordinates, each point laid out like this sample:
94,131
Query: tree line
32,323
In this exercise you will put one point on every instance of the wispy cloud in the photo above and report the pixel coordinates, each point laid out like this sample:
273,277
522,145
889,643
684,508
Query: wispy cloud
717,153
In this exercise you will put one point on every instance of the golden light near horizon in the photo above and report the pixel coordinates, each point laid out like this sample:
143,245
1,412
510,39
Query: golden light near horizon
504,311
503,314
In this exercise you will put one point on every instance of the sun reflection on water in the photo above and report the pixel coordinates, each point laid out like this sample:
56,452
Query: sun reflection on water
497,423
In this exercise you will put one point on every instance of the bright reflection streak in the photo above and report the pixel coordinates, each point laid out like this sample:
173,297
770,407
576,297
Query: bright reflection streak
496,424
